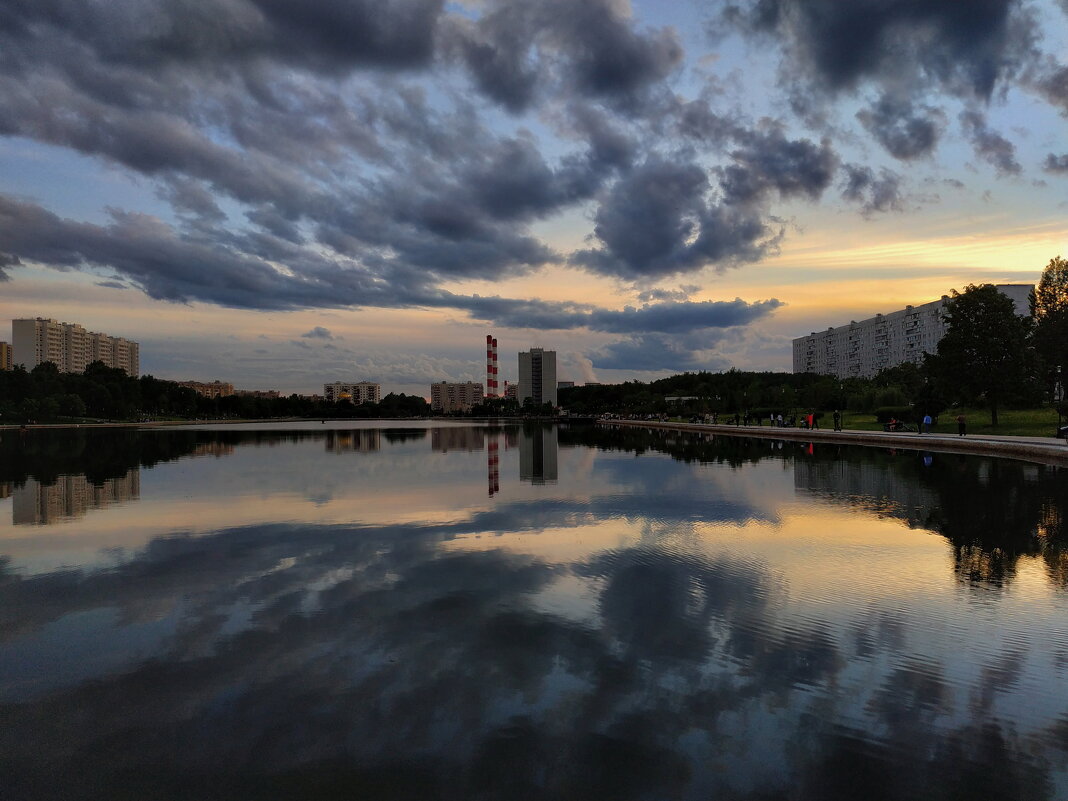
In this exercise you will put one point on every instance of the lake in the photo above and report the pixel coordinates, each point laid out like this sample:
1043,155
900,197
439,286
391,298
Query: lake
397,611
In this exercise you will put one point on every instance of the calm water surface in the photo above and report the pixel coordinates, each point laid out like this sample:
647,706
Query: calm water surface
386,612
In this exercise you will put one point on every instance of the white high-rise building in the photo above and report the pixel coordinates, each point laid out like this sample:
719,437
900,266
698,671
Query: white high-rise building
70,347
861,350
537,376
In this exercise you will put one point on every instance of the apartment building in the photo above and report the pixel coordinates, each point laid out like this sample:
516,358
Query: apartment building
212,389
862,349
6,362
448,397
357,393
537,376
70,347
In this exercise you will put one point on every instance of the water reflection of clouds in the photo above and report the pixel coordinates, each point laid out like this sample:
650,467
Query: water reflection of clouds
291,662
642,631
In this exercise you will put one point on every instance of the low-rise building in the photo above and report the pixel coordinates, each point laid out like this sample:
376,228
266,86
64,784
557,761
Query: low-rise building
448,397
357,393
256,393
213,389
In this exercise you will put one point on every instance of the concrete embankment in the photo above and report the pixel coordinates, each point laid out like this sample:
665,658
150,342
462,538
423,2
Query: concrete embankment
1045,450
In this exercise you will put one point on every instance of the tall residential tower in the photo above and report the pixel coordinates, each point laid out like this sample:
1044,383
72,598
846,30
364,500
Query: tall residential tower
537,376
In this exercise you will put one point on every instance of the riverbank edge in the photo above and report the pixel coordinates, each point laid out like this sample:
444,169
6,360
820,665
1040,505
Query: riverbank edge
1030,449
175,423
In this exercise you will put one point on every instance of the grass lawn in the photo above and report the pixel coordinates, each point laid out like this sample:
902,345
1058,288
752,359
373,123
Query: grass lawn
1011,422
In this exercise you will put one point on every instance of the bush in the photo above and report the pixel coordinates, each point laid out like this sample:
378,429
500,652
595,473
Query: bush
884,413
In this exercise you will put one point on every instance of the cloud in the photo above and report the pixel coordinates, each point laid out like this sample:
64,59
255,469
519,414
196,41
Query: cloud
318,333
654,353
514,46
768,161
905,133
1056,164
989,145
965,49
873,193
659,220
682,293
1053,85
7,260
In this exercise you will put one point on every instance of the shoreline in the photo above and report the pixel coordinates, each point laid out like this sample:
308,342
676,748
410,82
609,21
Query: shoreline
1050,451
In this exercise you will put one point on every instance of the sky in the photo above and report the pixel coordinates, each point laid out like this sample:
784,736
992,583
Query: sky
283,193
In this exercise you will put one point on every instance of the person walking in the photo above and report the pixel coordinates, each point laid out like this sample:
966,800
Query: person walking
927,424
961,425
837,420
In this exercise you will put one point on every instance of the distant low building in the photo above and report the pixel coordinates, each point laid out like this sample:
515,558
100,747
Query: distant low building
862,349
213,389
256,393
70,347
511,391
564,384
448,397
357,393
6,362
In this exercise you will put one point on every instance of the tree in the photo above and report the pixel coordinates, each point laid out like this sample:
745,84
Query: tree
1049,309
984,355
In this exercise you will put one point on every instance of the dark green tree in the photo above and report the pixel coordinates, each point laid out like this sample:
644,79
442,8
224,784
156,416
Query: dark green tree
1049,309
984,358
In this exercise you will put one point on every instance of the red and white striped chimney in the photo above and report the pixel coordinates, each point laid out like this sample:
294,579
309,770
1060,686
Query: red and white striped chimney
491,367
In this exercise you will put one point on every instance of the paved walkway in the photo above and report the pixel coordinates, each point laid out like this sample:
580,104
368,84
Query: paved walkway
1047,450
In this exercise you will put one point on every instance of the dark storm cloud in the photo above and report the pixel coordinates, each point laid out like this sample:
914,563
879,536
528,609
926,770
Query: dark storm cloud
515,45
1056,164
318,333
658,221
989,145
965,48
769,162
905,132
315,34
874,193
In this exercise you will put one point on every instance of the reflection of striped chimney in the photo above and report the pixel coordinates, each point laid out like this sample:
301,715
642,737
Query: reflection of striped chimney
491,367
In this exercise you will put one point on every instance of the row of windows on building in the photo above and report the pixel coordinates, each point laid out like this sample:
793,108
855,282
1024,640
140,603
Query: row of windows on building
862,349
69,346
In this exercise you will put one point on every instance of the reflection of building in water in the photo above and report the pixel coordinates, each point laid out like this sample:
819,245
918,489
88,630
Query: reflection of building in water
71,496
457,439
872,487
358,440
216,449
538,449
5,489
493,462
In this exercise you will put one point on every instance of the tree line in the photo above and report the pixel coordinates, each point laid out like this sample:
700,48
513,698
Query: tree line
107,393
